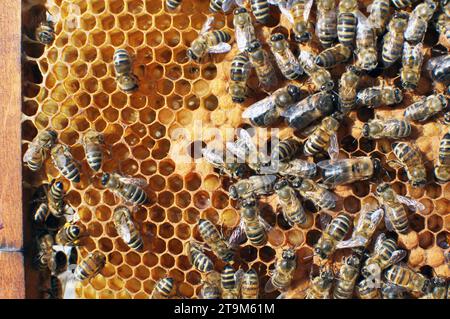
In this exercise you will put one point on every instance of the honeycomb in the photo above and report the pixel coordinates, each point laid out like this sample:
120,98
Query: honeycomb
69,86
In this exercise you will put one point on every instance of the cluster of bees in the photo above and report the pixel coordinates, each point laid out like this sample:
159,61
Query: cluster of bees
340,31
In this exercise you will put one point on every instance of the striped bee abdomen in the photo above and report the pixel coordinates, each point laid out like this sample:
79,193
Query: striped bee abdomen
340,226
285,150
260,9
173,4
346,28
238,67
444,150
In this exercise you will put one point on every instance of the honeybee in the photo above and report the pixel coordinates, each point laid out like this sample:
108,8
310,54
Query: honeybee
291,205
243,28
163,289
198,259
283,273
55,198
92,143
230,282
394,38
391,128
209,42
41,213
45,31
411,159
408,278
347,89
210,290
326,28
232,169
68,235
320,196
297,12
366,45
260,9
214,240
254,185
263,66
334,232
239,73
320,77
379,15
126,228
426,108
368,290
122,62
365,228
391,291
286,61
347,276
385,254
285,150
44,251
377,96
442,169
173,4
36,153
65,163
401,4
250,285
438,68
333,56
396,216
267,111
324,137
347,21
308,110
130,189
91,266
412,60
438,290
127,82
320,286
298,167
418,21
349,170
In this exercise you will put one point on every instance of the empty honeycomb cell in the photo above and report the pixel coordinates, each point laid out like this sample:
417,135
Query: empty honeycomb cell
173,72
175,246
77,40
116,6
61,40
129,115
95,229
125,22
135,38
312,236
120,152
165,86
183,199
248,253
88,22
361,189
180,22
50,81
209,72
60,70
349,143
148,167
433,190
415,192
182,231
88,243
166,230
276,237
295,237
79,69
142,272
167,261
97,37
92,198
193,277
124,271
157,214
191,215
140,152
88,53
123,294
416,222
172,38
91,85
267,254
115,258
85,214
102,212
201,199
434,223
154,38
211,215
105,244
399,188
426,239
180,56
193,181
132,258
211,102
59,93
144,22
175,102
352,204
31,90
30,107
163,22
139,129
99,69
185,290
166,199
157,273
447,222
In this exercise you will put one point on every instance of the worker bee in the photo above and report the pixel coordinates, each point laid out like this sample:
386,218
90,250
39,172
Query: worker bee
297,12
232,169
411,159
267,111
210,289
309,110
365,228
391,128
394,38
126,228
92,143
122,62
45,31
285,150
215,241
262,64
239,73
442,169
320,77
130,189
254,185
349,170
426,108
412,60
418,21
391,291
291,205
324,137
90,266
260,9
127,82
334,232
401,4
44,251
333,56
243,28
438,290
321,197
407,278
65,163
366,45
396,217
385,254
55,198
209,42
41,213
379,15
198,259
347,89
250,285
287,63
230,282
377,96
68,235
36,153
368,290
163,288
347,21
438,68
283,273
173,4
320,286
347,276
298,167
326,28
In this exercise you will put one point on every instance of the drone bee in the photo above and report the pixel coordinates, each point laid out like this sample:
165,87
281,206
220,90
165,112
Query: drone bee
418,21
308,110
231,282
251,224
291,205
267,111
319,195
320,77
92,143
347,89
320,287
346,22
126,228
262,64
442,169
334,232
347,276
243,28
366,45
426,108
287,63
349,170
438,290
407,278
283,273
68,235
209,42
232,169
173,4
379,15
36,153
250,285
411,159
198,259
254,185
163,289
412,60
393,40
65,163
239,73
333,56
91,266
260,9
324,137
396,216
377,96
214,240
367,290
326,28
130,189
285,150
391,128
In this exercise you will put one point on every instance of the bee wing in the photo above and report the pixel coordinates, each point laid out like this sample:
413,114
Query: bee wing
324,220
32,148
207,25
61,159
212,157
356,241
307,59
411,203
322,22
333,149
328,164
285,7
376,217
236,150
301,168
70,214
397,256
226,5
247,139
269,287
291,61
307,9
124,231
68,283
387,220
244,36
222,47
292,111
238,236
133,180
238,275
265,224
259,107
379,242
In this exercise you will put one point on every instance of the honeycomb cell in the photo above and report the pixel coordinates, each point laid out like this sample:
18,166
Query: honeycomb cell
417,222
312,236
141,273
248,253
434,223
116,6
116,283
211,102
167,261
157,183
115,258
182,231
352,204
132,258
349,143
166,199
105,244
175,246
183,199
433,190
175,183
124,271
166,230
426,239
201,199
102,212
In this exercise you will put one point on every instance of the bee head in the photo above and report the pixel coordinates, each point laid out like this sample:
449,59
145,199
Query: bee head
240,10
327,86
288,254
277,37
191,55
302,36
59,185
249,202
447,118
366,130
321,251
280,184
53,134
431,5
233,192
105,178
296,182
355,69
241,171
253,46
382,188
444,101
75,230
294,91
398,95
